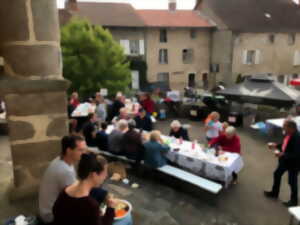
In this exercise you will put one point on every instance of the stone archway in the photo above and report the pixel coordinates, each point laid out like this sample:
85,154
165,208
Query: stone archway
33,88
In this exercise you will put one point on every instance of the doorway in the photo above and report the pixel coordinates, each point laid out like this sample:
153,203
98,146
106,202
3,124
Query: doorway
191,80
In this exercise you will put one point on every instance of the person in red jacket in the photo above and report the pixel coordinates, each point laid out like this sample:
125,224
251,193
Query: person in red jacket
228,142
147,103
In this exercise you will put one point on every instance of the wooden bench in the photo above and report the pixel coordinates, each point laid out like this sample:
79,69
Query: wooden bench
201,182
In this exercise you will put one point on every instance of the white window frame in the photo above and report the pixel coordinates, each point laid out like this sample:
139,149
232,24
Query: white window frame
126,46
296,58
256,57
163,57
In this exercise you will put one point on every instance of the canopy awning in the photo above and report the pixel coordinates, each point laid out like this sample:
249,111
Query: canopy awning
263,90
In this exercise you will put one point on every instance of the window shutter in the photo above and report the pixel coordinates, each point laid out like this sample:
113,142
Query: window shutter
257,57
297,58
244,56
142,47
126,46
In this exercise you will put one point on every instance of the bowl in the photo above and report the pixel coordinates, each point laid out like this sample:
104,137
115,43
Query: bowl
128,211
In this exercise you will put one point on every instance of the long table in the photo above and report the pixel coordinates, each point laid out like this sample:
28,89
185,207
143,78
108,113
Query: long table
204,163
200,162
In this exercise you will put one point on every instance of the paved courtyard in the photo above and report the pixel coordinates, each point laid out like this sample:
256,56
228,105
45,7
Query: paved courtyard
164,201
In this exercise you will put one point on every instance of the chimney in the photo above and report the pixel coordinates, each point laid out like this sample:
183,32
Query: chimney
71,5
172,5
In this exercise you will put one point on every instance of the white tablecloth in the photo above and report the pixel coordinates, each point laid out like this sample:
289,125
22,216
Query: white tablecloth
279,122
83,110
205,164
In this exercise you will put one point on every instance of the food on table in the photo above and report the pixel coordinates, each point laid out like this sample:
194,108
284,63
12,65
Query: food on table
121,209
223,158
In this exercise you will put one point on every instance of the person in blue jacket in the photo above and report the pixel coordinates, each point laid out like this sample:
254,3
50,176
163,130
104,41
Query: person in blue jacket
155,150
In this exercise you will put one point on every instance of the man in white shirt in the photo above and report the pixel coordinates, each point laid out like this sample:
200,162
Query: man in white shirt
59,174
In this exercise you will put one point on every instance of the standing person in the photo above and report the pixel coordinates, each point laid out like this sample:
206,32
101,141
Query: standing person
102,138
143,121
101,108
213,127
155,151
147,103
74,100
117,105
90,129
288,154
178,131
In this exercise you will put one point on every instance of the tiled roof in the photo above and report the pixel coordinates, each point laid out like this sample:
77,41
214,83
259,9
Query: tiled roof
178,18
255,15
109,14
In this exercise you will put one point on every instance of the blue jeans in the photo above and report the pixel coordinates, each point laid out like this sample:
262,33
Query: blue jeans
125,221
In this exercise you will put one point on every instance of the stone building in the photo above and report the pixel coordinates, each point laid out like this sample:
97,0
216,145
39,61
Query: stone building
33,88
177,51
254,37
178,46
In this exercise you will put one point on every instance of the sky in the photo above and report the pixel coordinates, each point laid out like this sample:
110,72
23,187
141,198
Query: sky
144,4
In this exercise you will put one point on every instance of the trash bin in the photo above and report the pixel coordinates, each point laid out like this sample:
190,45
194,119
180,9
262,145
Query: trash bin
235,119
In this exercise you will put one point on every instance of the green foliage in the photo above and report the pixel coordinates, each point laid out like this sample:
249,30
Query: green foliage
92,59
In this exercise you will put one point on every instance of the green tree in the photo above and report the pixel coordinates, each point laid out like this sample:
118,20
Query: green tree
92,59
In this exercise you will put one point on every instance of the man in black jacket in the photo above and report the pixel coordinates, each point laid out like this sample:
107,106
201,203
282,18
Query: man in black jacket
288,160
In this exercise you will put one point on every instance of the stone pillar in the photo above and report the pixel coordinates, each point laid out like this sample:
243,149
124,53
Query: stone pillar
33,88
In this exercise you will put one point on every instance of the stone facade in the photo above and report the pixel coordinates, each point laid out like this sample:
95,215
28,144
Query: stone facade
276,54
178,40
130,34
33,88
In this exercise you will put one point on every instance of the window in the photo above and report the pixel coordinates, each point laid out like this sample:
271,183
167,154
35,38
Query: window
134,47
126,46
163,36
271,38
193,33
297,58
280,79
163,56
295,76
291,39
251,57
163,77
187,56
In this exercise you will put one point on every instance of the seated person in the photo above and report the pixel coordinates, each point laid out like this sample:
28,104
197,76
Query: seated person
61,173
116,137
74,204
155,150
132,146
177,131
228,142
102,138
122,116
143,121
90,129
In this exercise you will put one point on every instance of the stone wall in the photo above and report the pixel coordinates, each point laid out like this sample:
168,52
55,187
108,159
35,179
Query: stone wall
275,57
178,39
33,88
